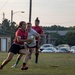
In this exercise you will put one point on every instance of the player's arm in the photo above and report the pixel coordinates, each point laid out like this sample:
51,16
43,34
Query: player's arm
21,40
42,34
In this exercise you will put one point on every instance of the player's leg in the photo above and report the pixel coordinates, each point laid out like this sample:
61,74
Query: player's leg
36,55
36,52
26,58
19,57
31,51
9,57
13,50
17,61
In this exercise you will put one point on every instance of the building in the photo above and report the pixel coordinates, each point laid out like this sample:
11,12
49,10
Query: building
49,39
5,41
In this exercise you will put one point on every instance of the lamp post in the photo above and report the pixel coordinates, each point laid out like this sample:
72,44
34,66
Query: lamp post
12,13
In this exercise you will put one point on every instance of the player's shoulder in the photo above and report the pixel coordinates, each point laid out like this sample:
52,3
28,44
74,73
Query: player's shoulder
39,26
33,26
18,31
32,29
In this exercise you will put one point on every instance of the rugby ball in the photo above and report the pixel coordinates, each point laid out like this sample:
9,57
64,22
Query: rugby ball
30,37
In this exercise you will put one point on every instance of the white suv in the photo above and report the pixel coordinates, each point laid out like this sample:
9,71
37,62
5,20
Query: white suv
45,46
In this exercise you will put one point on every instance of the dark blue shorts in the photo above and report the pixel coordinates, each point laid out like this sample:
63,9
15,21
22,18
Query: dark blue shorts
15,48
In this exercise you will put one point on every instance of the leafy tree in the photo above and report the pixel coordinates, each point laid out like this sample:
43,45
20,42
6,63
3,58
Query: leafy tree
71,28
58,39
8,28
70,38
5,24
55,27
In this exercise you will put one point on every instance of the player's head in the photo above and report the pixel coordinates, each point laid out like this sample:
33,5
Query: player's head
29,25
37,21
22,25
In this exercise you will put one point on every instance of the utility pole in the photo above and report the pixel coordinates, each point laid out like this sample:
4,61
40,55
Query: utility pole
3,15
11,16
30,10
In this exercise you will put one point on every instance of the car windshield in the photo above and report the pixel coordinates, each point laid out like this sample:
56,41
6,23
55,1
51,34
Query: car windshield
73,47
49,48
63,45
63,49
46,46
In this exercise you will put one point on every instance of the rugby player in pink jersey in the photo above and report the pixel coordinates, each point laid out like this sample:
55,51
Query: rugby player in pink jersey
18,46
39,30
31,46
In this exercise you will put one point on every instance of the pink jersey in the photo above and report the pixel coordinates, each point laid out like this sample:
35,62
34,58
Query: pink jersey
22,34
38,29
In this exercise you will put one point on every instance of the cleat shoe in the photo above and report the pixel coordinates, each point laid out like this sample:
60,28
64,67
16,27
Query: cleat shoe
14,66
30,57
36,61
24,68
1,67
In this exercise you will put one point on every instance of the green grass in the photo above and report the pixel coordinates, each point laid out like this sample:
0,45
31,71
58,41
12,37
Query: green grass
49,64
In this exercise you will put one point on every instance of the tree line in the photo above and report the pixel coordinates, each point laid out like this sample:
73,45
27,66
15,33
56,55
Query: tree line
68,38
10,28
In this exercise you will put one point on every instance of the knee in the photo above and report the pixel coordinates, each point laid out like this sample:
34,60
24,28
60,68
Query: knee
28,53
20,56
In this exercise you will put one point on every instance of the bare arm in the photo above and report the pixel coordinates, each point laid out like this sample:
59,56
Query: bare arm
42,34
21,40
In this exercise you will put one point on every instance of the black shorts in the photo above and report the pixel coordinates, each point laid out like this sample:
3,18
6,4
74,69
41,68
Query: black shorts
15,48
36,46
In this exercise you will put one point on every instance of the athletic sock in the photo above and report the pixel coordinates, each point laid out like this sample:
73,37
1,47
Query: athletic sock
36,57
24,64
17,61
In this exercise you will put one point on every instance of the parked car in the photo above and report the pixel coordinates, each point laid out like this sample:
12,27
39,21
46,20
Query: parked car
72,49
45,46
63,50
63,45
49,49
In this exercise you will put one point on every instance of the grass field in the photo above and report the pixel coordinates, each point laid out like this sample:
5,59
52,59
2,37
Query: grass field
49,64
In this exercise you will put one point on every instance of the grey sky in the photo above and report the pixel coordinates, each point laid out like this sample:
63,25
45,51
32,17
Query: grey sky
50,12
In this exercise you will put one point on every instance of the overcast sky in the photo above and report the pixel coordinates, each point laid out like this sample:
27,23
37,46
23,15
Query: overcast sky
50,12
